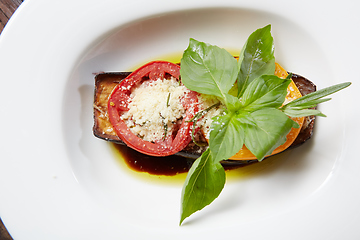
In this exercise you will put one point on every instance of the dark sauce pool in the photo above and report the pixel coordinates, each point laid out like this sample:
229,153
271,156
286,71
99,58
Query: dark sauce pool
165,166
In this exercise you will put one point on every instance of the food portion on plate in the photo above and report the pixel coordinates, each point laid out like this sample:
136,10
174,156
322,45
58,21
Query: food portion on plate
103,129
212,107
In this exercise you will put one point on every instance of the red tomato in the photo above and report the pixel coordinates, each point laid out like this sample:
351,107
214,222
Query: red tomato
120,98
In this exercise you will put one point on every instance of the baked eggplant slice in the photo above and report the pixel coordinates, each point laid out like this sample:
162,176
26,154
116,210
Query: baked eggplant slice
105,83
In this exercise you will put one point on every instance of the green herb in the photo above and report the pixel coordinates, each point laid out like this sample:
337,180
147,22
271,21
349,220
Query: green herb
254,117
203,184
208,69
300,107
165,125
165,130
289,76
167,101
226,137
256,58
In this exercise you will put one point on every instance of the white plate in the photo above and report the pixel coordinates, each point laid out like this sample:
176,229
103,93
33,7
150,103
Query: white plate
58,181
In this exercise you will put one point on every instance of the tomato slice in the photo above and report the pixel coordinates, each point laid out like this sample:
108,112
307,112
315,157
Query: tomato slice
120,99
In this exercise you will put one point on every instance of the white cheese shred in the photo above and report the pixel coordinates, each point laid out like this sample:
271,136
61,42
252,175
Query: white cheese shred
153,105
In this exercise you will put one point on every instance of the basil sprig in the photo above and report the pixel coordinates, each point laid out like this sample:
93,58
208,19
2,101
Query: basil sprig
204,182
256,58
254,117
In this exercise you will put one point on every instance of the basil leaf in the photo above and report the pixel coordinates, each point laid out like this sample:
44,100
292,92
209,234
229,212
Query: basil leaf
265,91
202,186
270,131
245,118
256,58
226,136
208,69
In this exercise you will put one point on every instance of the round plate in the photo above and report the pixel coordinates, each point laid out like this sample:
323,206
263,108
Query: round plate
60,182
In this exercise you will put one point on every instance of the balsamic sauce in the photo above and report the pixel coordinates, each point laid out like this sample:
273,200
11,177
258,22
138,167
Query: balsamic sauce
165,166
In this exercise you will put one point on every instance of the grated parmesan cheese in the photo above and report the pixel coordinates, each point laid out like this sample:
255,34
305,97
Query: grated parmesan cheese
150,110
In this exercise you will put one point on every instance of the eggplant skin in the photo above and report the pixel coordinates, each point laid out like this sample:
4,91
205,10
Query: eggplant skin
105,83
